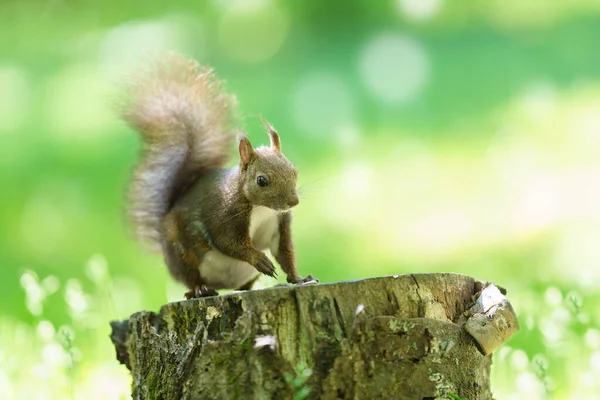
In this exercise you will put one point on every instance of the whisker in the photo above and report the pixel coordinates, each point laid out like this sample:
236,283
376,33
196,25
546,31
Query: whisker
311,185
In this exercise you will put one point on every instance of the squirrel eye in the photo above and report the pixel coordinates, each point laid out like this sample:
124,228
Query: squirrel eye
262,181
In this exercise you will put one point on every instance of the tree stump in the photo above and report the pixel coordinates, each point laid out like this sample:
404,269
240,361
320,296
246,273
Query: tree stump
397,337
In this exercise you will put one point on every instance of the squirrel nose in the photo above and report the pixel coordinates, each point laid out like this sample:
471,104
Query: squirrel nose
293,201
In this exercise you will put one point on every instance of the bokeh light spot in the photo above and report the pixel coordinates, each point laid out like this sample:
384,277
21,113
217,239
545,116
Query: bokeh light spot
34,293
45,330
595,361
14,88
394,67
97,268
51,284
539,100
519,359
78,106
348,137
252,31
357,183
592,338
322,105
75,297
125,46
553,296
419,9
528,383
54,355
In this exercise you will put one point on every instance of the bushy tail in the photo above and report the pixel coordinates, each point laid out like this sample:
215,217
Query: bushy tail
186,123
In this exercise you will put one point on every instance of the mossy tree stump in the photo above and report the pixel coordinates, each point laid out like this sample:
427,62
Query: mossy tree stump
398,337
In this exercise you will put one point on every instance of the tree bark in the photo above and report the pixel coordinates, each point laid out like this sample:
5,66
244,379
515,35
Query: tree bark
397,337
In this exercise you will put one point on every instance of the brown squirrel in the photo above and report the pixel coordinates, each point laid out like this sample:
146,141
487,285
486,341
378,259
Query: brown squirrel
212,224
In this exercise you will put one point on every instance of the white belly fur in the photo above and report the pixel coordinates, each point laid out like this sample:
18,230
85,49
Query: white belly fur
264,226
223,272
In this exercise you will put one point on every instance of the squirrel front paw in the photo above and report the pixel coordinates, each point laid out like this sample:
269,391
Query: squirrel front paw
266,267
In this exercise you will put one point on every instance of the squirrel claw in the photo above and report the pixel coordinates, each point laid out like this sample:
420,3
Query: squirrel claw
266,267
201,291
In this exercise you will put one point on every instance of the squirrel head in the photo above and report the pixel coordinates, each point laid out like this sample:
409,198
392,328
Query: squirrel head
268,178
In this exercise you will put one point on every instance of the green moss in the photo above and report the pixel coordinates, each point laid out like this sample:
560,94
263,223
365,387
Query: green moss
398,325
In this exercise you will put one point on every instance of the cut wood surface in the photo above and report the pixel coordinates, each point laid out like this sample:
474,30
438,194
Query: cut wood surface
395,337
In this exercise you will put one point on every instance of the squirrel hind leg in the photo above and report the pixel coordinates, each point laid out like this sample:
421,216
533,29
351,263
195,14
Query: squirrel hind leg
182,255
201,291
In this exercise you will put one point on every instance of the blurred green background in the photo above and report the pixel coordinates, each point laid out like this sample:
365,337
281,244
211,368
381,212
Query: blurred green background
431,135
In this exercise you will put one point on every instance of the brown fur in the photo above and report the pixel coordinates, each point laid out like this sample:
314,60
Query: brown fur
181,197
180,257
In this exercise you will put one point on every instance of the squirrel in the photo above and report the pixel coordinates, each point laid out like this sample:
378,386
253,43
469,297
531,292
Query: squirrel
211,223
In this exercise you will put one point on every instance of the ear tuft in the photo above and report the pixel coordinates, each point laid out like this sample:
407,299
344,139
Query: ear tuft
275,141
246,152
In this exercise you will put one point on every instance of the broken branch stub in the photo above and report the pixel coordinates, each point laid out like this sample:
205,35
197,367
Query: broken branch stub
389,337
491,320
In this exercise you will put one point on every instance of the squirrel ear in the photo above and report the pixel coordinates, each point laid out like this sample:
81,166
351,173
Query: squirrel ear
246,152
275,142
